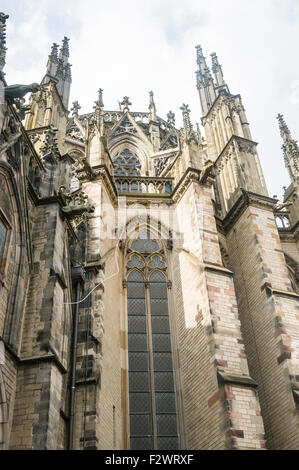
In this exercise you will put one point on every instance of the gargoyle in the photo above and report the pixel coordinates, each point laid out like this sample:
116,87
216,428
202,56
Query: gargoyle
206,171
73,211
282,205
19,91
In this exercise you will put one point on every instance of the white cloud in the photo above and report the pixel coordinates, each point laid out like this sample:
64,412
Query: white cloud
132,47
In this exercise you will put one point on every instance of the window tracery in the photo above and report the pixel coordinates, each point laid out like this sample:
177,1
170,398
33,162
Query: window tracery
126,163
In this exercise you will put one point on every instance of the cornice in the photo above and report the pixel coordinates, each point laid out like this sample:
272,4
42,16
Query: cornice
223,95
99,173
51,357
233,138
290,233
191,175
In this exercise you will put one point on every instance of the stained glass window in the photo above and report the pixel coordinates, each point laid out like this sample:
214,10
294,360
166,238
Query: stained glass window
153,415
3,232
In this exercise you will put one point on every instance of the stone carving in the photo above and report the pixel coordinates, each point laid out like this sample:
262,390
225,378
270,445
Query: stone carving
10,134
282,205
75,108
76,206
50,147
125,126
161,163
74,131
171,119
206,171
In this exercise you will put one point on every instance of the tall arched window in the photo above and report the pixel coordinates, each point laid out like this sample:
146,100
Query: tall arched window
152,403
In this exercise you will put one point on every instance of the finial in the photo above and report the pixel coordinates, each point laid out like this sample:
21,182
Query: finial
217,70
171,119
75,108
152,107
126,103
186,119
3,49
54,53
99,103
185,109
290,150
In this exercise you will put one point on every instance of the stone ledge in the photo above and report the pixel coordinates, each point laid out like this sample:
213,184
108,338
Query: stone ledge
285,293
217,268
88,381
51,357
44,358
225,378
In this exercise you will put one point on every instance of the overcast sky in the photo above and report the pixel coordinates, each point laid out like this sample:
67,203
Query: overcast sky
131,47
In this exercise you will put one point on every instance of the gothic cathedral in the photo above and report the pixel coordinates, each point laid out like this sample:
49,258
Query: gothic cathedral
149,285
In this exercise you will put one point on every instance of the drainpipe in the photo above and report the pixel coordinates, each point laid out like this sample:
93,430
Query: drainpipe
78,277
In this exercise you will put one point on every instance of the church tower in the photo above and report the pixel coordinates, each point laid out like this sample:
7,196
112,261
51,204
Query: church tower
149,283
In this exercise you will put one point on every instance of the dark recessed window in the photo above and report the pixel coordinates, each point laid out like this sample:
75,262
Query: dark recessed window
3,235
153,416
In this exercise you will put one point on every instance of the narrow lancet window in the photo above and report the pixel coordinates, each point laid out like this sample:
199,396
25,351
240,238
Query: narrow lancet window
152,402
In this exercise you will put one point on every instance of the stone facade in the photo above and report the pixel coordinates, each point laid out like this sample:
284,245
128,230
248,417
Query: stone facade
148,283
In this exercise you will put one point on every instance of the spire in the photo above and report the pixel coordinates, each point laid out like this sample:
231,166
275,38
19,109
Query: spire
64,50
126,103
200,60
217,70
63,72
52,60
188,131
99,103
284,130
152,107
98,108
290,150
3,49
205,82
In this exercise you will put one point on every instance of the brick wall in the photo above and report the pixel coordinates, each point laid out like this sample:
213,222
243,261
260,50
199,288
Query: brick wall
269,319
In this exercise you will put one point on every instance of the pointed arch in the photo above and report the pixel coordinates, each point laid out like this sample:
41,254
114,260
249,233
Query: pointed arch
143,223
